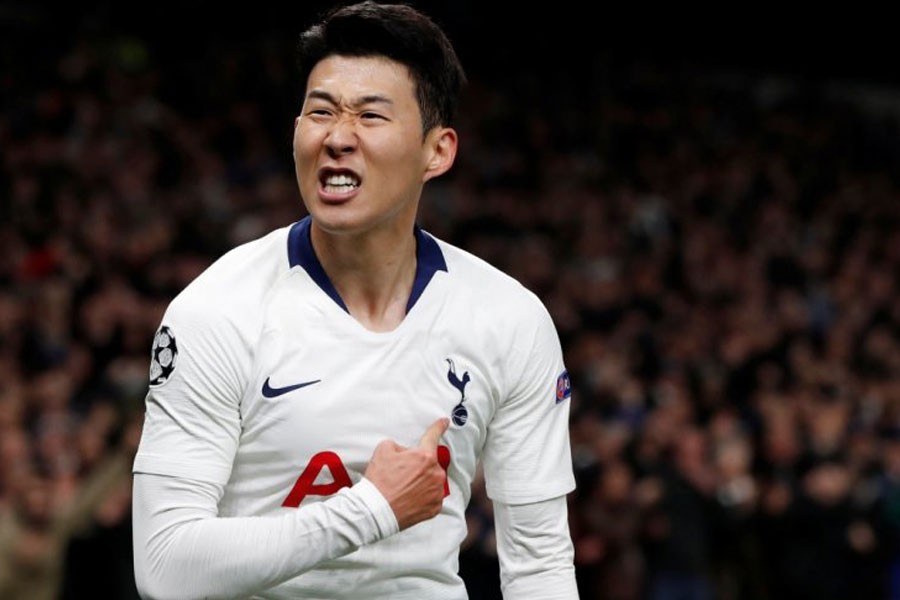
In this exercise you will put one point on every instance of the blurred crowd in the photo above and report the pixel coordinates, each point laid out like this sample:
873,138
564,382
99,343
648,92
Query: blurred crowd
720,253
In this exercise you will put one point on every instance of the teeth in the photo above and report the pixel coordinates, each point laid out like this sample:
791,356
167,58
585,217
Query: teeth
340,182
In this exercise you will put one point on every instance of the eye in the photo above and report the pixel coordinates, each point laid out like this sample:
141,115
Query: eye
372,116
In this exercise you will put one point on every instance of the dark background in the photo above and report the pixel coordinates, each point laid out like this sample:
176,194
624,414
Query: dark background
669,138
811,44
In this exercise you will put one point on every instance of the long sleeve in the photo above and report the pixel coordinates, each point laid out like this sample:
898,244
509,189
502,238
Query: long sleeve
535,550
184,550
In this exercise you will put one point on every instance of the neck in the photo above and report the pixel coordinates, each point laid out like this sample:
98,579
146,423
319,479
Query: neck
373,273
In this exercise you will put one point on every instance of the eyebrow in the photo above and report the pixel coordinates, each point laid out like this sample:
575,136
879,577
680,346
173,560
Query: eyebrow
361,101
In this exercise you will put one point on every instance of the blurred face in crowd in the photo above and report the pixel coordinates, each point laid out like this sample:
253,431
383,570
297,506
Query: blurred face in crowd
360,154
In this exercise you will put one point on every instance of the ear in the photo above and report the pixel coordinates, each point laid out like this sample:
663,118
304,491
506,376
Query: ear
441,144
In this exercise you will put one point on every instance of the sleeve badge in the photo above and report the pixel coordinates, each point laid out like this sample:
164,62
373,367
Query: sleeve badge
563,387
163,356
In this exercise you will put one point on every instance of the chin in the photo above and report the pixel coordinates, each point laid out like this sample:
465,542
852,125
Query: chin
338,221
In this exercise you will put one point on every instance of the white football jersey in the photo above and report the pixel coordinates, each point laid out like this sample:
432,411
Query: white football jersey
261,381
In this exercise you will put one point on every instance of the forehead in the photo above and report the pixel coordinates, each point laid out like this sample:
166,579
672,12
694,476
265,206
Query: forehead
349,77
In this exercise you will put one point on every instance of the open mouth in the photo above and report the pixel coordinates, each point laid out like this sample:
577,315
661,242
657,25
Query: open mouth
339,182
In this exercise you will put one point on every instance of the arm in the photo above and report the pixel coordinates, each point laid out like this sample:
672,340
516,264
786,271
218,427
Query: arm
184,550
528,466
535,550
190,436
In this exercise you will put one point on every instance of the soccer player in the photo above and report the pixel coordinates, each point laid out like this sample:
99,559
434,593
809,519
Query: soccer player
320,398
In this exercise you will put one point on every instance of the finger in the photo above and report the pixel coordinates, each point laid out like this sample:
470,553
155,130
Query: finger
388,446
433,434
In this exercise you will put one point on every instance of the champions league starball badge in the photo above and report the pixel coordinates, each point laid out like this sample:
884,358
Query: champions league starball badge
162,356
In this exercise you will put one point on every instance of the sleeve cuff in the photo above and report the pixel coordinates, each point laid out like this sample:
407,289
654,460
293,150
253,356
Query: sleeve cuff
378,505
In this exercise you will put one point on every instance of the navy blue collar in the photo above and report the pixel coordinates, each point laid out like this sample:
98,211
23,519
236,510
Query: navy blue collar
429,260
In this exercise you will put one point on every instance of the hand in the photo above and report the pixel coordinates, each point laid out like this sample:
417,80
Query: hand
410,479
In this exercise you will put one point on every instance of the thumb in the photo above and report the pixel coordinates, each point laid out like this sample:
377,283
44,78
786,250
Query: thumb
433,434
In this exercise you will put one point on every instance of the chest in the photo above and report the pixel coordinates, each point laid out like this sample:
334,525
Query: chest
320,388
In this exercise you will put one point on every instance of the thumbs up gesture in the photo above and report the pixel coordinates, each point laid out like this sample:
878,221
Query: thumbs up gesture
410,479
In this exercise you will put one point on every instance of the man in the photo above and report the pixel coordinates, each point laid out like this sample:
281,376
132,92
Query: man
320,398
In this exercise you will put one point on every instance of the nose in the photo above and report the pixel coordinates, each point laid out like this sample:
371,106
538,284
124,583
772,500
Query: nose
341,138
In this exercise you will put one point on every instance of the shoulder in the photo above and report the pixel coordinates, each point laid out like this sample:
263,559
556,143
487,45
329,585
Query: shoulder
507,318
493,291
237,282
212,325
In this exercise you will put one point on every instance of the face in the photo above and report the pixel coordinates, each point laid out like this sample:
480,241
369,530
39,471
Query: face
360,154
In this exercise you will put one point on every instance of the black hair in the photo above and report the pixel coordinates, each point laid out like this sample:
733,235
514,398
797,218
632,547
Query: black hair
400,33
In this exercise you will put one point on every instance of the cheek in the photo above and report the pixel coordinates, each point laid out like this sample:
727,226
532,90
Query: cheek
305,165
307,138
300,144
402,161
305,152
